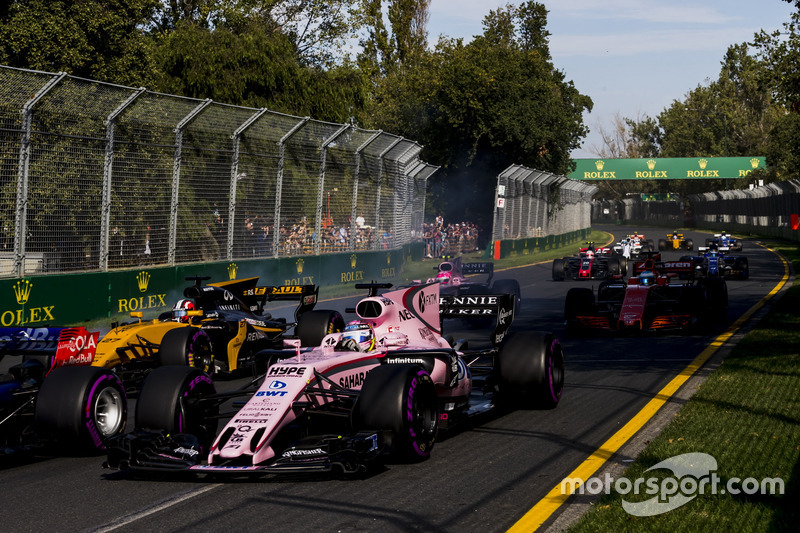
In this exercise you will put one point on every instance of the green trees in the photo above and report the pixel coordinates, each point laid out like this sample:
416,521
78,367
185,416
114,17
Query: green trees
479,107
476,107
779,53
246,66
751,108
93,39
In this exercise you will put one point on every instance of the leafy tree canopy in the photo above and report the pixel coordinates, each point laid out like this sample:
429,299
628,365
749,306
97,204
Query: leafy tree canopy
750,109
94,39
249,66
479,107
318,29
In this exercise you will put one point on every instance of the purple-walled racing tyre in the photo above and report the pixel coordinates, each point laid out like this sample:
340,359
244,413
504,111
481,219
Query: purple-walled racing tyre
81,407
531,366
400,398
170,400
187,346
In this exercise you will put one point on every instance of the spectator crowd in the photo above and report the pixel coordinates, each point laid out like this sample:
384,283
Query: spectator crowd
449,239
254,238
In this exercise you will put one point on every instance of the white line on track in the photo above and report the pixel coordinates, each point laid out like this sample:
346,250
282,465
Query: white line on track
155,508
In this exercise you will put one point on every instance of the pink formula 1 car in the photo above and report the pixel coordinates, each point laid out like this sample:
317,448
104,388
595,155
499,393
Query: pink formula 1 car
458,279
383,387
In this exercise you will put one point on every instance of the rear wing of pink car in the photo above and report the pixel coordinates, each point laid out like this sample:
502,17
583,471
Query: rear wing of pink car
477,268
499,307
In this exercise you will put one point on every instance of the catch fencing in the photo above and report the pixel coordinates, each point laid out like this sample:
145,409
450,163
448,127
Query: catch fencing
637,211
96,176
532,203
771,210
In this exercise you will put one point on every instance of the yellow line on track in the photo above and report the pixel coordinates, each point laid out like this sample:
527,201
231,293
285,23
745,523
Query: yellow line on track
554,499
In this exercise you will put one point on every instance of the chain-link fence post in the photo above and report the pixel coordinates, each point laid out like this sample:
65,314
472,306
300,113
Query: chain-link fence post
21,219
176,178
108,176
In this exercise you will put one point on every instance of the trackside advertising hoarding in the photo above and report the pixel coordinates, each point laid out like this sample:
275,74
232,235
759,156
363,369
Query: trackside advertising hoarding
660,168
73,299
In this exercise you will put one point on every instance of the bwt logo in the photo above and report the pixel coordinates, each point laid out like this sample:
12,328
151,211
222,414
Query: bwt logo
692,474
271,393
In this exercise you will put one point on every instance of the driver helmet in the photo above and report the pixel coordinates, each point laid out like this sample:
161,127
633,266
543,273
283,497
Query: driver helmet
362,333
179,310
443,277
647,278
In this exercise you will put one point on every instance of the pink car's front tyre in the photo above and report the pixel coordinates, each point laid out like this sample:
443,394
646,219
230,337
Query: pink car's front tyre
82,406
401,398
170,400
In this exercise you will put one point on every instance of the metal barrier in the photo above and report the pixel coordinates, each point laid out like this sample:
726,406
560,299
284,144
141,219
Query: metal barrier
95,176
532,203
766,210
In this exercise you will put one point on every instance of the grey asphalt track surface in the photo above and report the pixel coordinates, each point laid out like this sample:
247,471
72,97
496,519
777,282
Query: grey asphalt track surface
481,478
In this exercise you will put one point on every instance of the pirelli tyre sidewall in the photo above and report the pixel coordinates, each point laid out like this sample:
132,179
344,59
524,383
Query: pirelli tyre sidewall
531,368
716,292
312,326
742,266
402,399
81,407
187,346
169,401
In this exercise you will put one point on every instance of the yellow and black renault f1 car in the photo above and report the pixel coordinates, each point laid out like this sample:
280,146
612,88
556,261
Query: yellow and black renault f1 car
675,241
219,328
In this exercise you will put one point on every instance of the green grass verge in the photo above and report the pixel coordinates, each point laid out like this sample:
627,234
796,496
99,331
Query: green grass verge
747,416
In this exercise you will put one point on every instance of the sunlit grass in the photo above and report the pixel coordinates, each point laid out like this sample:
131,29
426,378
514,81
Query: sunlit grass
747,416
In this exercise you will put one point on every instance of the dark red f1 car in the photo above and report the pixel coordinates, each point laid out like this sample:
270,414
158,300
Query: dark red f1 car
649,301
